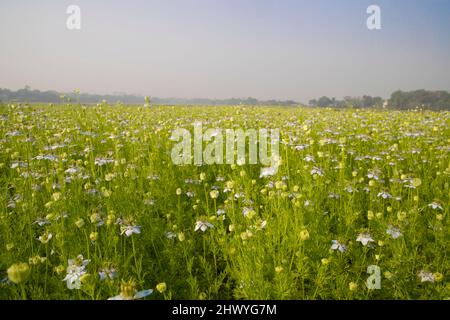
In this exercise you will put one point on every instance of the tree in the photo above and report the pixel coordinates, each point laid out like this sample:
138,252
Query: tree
324,102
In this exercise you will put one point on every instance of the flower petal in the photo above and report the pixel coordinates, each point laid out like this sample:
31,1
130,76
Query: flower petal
143,294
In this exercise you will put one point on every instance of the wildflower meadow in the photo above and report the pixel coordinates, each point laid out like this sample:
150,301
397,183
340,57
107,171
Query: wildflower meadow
94,207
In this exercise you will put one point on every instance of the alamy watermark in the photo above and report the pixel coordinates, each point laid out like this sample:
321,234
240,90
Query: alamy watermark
374,280
73,21
374,20
208,147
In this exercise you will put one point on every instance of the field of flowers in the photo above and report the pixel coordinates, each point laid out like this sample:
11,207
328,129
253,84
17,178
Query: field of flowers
92,206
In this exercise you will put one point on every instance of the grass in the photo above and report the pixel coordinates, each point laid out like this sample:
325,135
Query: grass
89,174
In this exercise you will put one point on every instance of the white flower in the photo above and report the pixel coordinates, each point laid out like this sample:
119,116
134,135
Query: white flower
202,225
190,194
365,238
372,175
45,238
138,295
268,172
261,224
79,260
336,245
170,235
129,230
426,276
104,273
350,189
102,161
239,195
128,292
384,195
333,195
72,170
41,222
435,205
73,276
393,232
317,171
75,270
248,210
301,147
46,157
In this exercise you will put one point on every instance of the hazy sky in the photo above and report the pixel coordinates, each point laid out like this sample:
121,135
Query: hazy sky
226,48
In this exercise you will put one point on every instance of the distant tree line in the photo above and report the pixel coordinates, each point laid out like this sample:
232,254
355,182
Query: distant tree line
434,100
27,95
348,102
419,99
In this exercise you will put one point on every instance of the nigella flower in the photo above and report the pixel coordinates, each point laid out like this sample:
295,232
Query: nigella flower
248,212
336,245
434,205
365,238
350,189
49,157
128,292
190,194
268,172
75,271
54,147
260,224
170,235
239,195
373,175
107,273
384,195
46,237
220,211
13,133
102,161
19,164
393,232
309,158
426,276
129,230
41,222
301,147
202,225
79,260
317,171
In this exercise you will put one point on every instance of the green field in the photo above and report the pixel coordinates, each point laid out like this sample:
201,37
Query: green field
355,188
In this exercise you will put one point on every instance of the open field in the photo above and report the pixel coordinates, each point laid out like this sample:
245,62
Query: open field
355,188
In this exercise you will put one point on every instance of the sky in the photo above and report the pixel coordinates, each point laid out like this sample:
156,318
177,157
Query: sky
266,49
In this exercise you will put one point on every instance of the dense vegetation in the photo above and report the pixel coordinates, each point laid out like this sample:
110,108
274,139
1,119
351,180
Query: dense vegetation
26,95
421,99
92,206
